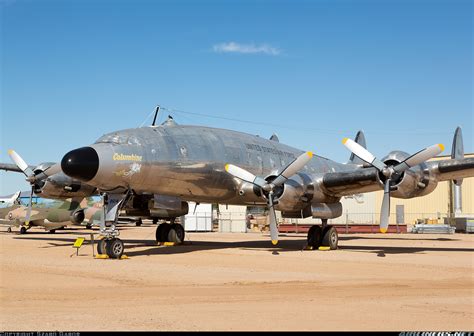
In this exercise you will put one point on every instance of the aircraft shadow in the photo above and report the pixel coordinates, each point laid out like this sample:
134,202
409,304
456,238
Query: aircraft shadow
151,247
187,247
382,251
345,236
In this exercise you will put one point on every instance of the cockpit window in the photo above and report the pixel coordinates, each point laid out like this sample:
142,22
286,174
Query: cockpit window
114,138
119,139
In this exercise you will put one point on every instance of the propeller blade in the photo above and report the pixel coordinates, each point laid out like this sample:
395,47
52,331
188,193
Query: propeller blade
385,211
28,211
419,157
363,153
293,168
244,175
273,221
20,163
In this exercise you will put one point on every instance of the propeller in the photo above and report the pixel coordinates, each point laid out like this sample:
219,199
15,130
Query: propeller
391,173
269,187
31,177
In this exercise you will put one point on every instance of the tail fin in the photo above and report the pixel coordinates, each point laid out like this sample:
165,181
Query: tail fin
15,199
360,139
457,150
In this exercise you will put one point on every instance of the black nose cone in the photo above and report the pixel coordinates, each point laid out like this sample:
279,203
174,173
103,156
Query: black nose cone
81,163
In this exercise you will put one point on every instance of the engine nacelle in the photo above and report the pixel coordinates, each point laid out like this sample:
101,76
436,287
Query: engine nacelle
326,210
170,213
414,182
60,186
157,206
77,217
295,194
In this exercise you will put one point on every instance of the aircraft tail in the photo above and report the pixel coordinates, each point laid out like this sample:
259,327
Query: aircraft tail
360,139
12,200
457,150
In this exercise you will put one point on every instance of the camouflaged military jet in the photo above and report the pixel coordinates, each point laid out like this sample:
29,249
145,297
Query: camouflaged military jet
158,169
50,218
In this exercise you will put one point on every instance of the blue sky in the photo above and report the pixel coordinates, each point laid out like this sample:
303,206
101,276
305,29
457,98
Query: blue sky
317,71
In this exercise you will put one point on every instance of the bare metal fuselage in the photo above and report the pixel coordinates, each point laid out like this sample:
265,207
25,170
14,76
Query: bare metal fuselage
188,162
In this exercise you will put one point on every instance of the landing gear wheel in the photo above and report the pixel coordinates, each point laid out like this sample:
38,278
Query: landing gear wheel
22,230
101,246
88,226
138,222
314,236
176,234
52,231
330,238
155,220
114,248
162,232
9,229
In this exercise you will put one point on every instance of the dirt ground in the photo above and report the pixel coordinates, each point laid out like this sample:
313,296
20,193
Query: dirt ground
220,281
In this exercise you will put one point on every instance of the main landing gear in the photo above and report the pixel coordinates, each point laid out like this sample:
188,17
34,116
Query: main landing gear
171,232
324,235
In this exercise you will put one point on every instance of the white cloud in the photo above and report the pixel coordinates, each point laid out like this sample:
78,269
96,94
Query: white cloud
233,47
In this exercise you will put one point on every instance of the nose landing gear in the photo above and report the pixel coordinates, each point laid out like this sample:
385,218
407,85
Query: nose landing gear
110,245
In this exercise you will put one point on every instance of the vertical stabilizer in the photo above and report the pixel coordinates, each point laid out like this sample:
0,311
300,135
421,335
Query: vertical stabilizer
360,139
457,151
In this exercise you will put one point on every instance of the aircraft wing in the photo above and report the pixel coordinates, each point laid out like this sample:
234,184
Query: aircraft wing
352,182
11,167
367,179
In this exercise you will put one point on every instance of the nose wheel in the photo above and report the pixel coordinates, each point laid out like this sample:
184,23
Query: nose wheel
114,248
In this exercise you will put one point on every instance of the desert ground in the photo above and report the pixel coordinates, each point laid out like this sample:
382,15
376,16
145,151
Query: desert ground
229,281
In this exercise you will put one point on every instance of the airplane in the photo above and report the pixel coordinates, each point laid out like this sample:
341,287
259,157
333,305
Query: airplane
161,168
50,218
10,200
171,164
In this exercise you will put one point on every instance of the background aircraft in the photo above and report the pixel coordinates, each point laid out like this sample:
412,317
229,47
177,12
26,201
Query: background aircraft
51,218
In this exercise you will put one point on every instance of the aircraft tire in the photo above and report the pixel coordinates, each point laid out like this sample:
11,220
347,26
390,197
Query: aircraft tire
9,229
101,246
155,220
314,236
330,238
88,226
22,230
158,234
176,233
138,222
114,248
162,232
52,231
